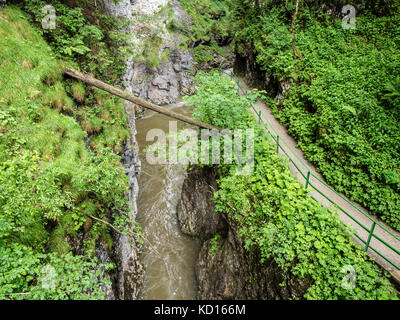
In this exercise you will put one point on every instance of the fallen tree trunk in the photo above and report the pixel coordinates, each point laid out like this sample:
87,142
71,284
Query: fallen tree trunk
129,97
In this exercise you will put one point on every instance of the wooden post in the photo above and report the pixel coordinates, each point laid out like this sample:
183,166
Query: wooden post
370,236
308,179
127,96
277,144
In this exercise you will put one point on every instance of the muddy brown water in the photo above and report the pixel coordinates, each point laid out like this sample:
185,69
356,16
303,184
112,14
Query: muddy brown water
169,256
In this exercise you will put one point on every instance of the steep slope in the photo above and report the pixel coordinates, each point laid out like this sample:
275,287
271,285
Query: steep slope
160,68
338,100
280,243
53,172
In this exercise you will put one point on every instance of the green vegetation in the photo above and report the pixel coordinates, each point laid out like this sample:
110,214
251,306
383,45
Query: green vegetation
89,40
207,53
276,216
210,20
61,141
211,28
150,39
47,171
215,244
343,102
85,35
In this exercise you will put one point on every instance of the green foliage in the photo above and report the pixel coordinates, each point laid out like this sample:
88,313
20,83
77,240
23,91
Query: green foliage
210,28
149,47
47,171
215,244
277,218
382,7
378,7
90,39
27,274
214,104
203,54
210,20
391,94
342,105
207,53
102,117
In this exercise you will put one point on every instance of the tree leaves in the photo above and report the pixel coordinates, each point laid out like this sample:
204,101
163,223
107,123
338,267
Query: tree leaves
279,221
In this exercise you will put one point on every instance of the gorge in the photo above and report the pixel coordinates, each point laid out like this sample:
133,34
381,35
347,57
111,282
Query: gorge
80,200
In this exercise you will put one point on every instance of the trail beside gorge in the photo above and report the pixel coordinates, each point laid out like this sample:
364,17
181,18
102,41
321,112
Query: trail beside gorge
362,233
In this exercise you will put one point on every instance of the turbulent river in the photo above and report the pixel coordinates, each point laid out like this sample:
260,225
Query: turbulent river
168,256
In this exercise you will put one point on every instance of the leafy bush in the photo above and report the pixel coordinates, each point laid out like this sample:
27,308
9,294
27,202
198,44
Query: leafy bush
27,274
214,244
210,20
210,28
47,172
342,102
276,216
91,39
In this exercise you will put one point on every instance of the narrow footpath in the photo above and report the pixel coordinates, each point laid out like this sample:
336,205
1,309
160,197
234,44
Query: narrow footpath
318,182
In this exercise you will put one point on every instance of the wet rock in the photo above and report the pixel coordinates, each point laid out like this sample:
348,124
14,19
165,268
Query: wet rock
129,269
129,274
233,273
168,79
196,210
126,254
162,82
122,8
177,67
105,257
225,269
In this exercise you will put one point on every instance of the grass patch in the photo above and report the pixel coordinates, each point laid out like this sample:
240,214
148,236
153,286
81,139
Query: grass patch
47,171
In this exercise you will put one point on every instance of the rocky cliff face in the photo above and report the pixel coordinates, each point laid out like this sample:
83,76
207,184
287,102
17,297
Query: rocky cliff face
160,69
159,72
247,67
129,274
196,213
225,270
130,271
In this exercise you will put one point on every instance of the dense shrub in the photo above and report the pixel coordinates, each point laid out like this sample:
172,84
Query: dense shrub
276,216
342,105
47,172
85,35
210,28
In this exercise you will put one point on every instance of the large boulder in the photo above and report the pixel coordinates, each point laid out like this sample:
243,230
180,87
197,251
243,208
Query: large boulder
225,269
164,81
196,210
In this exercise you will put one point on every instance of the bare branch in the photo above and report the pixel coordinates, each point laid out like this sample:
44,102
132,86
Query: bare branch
293,31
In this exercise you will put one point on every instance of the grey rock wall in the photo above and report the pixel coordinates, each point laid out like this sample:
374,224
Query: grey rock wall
161,84
129,275
165,82
227,270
